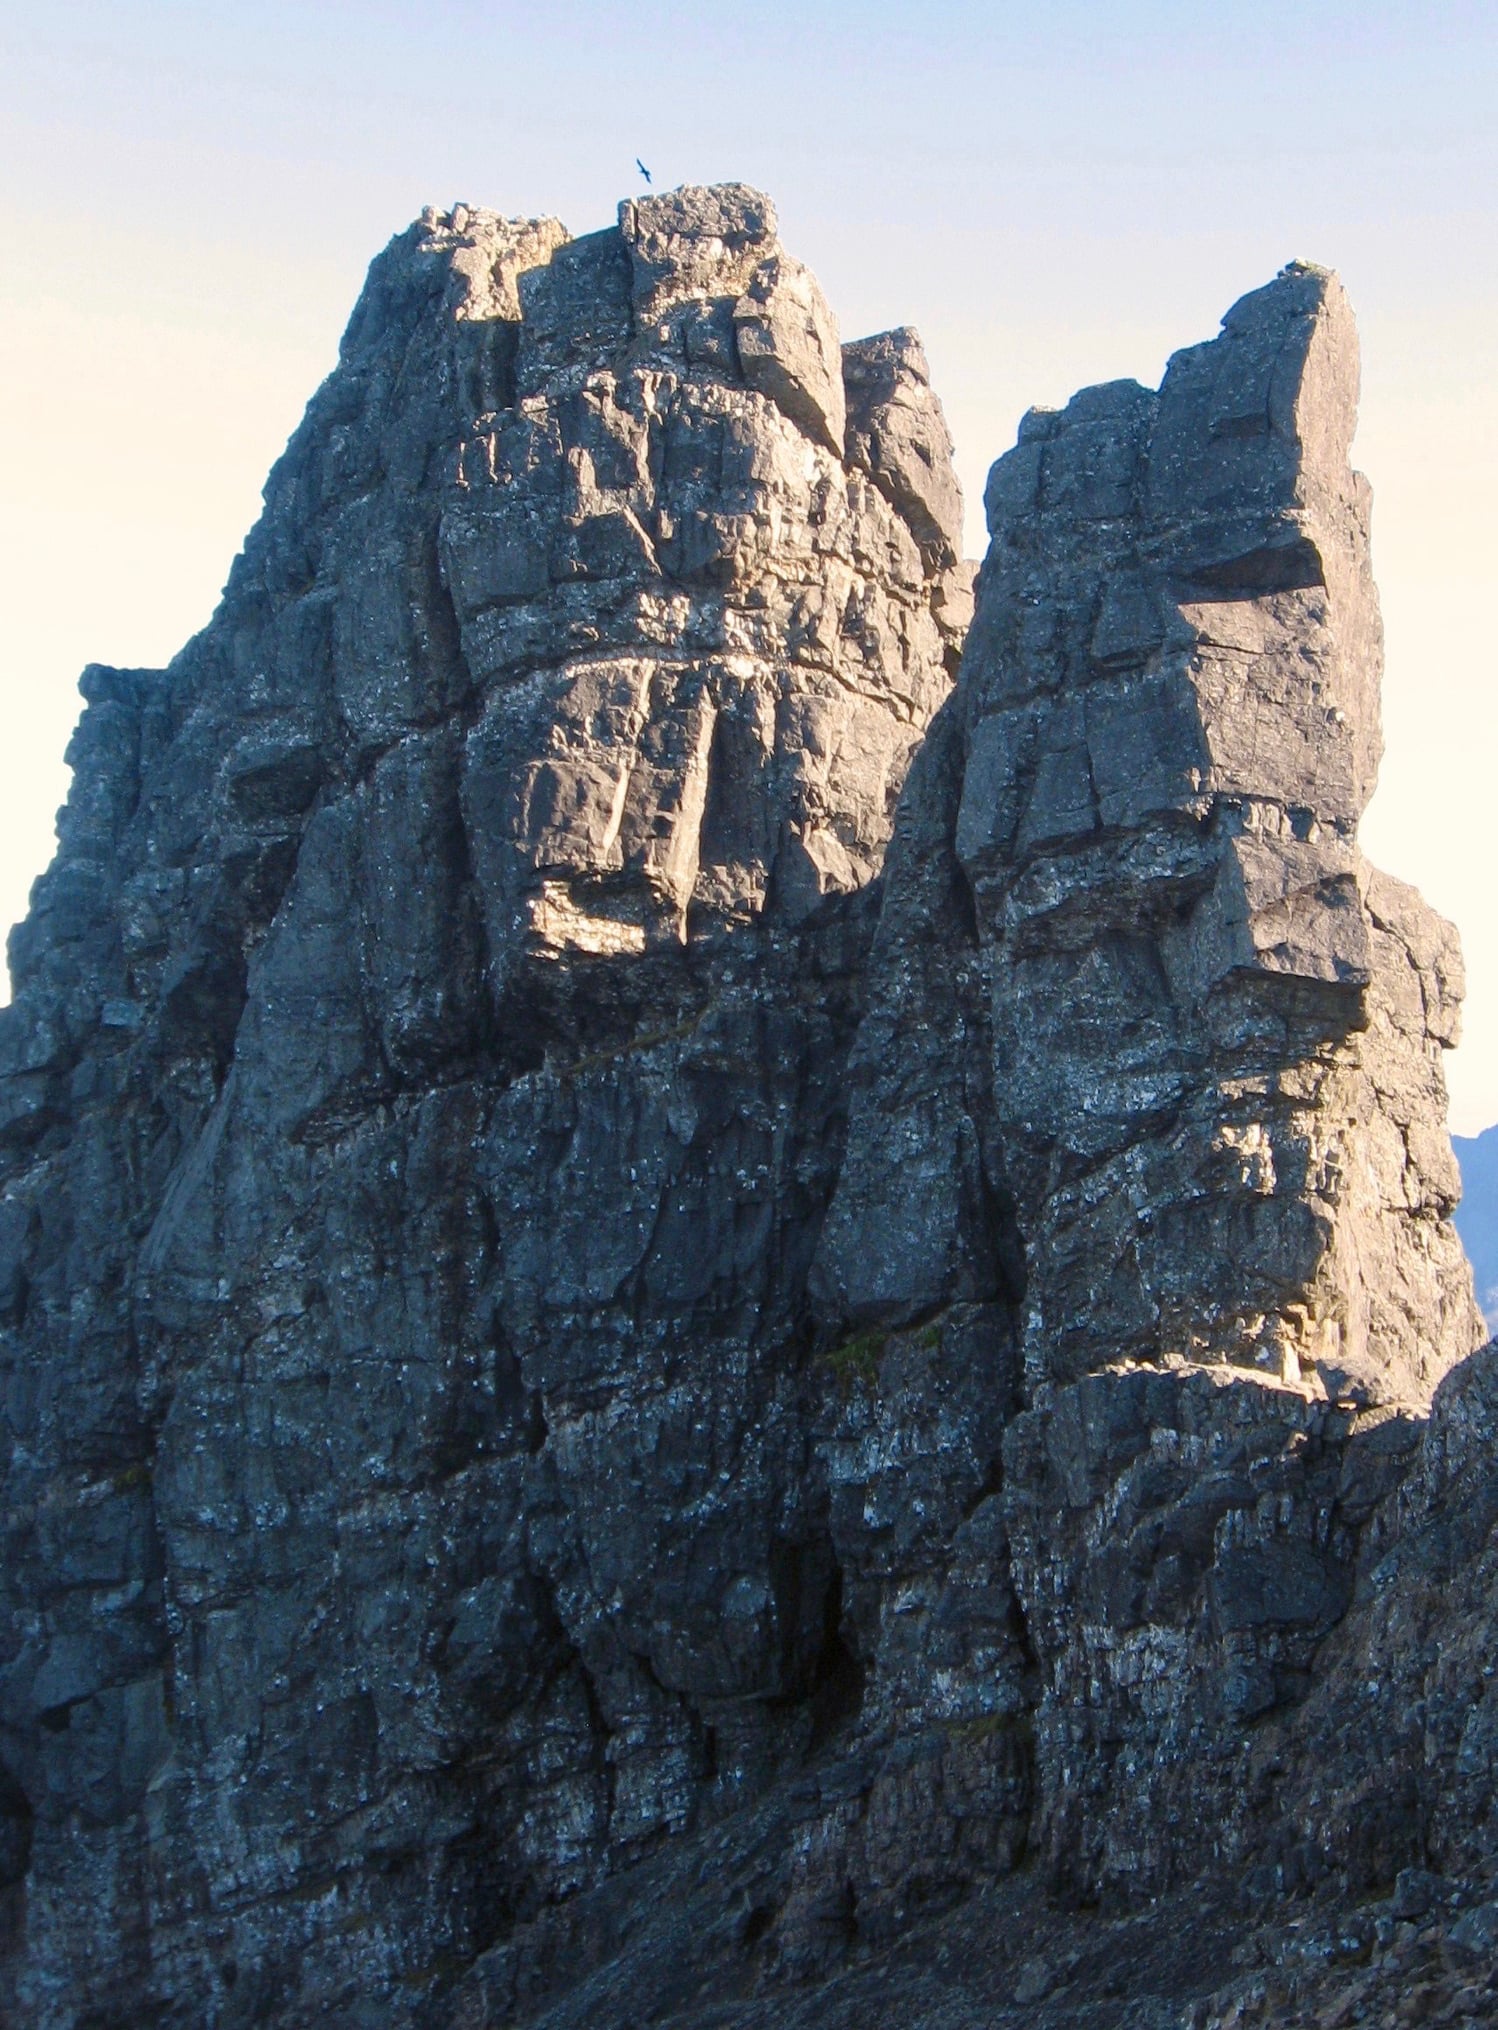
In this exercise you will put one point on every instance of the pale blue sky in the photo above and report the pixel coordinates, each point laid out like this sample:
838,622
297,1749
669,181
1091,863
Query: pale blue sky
190,194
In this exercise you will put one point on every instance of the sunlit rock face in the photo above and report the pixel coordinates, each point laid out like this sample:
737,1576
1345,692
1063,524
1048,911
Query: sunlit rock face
671,1293
1150,1046
1216,1035
1216,1029
707,631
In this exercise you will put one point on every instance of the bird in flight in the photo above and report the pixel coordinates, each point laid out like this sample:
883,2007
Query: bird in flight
642,169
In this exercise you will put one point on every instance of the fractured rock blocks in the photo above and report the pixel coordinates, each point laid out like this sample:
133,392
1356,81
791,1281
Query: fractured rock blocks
1216,1091
707,644
420,1099
668,1291
1216,1029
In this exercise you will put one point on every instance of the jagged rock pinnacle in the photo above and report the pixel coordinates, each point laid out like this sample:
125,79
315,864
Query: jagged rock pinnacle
682,1272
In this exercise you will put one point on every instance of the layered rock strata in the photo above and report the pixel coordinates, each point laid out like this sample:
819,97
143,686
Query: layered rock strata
669,1298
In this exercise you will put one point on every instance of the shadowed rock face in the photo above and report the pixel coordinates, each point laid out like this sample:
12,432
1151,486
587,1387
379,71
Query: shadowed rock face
666,1302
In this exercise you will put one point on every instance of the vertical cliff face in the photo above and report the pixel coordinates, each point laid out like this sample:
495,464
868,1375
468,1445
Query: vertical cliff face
706,640
410,1178
1181,1072
1216,1027
1217,1035
669,1292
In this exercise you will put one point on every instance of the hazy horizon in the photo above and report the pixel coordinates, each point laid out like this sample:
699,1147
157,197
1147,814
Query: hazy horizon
191,199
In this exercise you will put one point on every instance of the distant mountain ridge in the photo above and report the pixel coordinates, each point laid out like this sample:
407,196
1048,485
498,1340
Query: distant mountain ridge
1476,1218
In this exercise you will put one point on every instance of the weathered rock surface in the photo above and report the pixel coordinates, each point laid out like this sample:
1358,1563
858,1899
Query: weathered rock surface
1216,1090
1213,1022
696,1330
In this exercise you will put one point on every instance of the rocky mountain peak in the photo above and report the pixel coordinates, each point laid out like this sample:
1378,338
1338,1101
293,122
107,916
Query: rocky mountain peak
1204,1000
717,1299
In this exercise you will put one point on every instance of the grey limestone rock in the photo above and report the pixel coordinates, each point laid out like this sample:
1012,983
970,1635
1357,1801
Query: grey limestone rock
670,1296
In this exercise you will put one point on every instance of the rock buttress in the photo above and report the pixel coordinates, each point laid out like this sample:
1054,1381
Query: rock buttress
1217,1031
666,1302
420,1100
1215,1083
